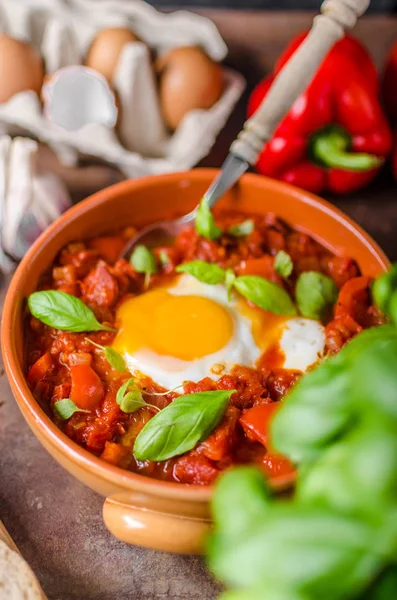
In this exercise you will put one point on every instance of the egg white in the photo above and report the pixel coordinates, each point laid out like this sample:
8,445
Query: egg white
302,342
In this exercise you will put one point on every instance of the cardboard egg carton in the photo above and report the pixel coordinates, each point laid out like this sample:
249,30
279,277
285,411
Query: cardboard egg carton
62,30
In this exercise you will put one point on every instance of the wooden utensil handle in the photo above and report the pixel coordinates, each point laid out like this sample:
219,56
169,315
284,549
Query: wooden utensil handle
328,27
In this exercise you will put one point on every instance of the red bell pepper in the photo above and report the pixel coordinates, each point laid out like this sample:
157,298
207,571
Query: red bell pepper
335,136
390,98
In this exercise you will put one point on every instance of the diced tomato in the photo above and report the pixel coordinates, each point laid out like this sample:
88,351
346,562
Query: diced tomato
280,381
275,241
60,392
79,358
276,465
264,267
40,368
307,263
171,254
255,421
353,297
42,391
299,245
80,257
100,287
109,247
64,275
87,389
219,444
341,269
73,289
195,469
339,331
116,454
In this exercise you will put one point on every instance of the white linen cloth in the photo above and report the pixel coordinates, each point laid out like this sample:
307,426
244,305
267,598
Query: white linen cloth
29,200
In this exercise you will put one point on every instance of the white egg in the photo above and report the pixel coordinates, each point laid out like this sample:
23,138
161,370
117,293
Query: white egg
302,342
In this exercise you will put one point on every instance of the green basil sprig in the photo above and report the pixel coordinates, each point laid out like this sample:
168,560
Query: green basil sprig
385,293
63,311
230,278
242,229
164,258
64,409
129,397
310,549
113,357
335,538
283,264
205,223
315,294
203,271
144,261
180,426
265,294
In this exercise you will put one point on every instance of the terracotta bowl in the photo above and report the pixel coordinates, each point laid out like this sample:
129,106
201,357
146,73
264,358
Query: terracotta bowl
139,510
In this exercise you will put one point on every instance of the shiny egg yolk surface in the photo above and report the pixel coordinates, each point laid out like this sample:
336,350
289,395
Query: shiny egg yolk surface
186,327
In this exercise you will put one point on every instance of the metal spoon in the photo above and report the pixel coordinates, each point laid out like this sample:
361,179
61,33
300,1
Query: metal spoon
328,27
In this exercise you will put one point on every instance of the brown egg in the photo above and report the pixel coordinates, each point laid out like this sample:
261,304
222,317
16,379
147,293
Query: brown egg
106,48
189,79
21,67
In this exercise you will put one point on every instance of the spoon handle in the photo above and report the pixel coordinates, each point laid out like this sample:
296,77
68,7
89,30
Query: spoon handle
336,17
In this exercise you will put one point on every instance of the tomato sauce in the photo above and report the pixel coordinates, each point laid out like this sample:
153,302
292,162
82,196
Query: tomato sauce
66,365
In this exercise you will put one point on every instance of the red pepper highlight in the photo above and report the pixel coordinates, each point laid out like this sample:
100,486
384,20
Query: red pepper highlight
335,136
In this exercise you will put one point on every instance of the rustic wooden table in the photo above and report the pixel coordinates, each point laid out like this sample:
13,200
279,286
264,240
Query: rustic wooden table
56,521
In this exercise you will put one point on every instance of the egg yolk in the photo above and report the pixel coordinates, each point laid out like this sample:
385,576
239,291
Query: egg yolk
184,327
266,326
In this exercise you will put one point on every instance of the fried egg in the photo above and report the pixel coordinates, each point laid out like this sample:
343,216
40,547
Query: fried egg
190,330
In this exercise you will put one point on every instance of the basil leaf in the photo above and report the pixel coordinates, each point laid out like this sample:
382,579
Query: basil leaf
366,339
242,229
265,294
316,410
270,591
359,472
63,311
315,294
375,375
64,409
123,389
143,260
205,223
230,278
311,549
181,425
251,499
203,271
115,359
164,258
383,289
132,401
384,587
283,264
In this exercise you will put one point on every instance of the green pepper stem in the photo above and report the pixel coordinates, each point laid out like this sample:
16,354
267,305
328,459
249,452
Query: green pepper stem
330,147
